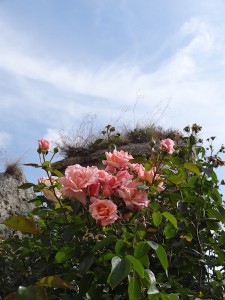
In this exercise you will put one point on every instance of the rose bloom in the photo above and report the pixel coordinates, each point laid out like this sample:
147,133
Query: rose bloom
151,177
106,184
43,145
48,193
167,145
103,211
123,177
133,198
139,168
76,180
116,160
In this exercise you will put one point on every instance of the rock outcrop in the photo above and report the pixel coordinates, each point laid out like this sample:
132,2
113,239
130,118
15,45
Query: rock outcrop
14,201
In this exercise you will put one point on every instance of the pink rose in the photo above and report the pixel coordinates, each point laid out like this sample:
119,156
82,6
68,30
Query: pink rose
43,145
151,177
160,187
103,211
40,180
139,168
167,145
133,198
76,180
116,160
124,177
106,185
94,189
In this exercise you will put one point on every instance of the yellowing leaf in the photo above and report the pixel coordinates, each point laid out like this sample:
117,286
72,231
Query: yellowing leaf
152,229
50,195
22,224
54,281
188,237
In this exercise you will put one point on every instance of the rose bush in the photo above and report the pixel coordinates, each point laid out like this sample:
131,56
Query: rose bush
136,229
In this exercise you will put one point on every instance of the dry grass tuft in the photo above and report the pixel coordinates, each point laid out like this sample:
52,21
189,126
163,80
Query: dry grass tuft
13,168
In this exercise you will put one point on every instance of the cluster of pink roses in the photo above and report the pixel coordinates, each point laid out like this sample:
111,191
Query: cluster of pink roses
119,185
113,187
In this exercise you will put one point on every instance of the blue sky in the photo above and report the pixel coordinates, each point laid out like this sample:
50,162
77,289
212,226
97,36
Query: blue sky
117,61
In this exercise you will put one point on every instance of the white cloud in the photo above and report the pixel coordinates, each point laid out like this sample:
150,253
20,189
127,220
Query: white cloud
184,78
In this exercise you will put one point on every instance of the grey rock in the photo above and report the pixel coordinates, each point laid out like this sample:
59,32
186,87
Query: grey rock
14,201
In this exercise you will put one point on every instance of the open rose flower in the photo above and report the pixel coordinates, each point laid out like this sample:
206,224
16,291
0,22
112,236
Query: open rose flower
116,160
107,183
167,145
103,211
76,180
43,145
133,198
151,177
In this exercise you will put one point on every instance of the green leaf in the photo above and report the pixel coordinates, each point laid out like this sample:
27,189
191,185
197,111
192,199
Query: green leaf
134,289
145,261
213,213
142,187
33,165
176,179
155,206
170,218
141,249
57,173
86,263
46,163
152,289
98,141
169,297
153,245
22,224
31,292
161,253
169,231
64,255
139,160
54,281
192,167
120,270
216,196
157,218
136,264
120,247
105,242
26,185
85,284
154,297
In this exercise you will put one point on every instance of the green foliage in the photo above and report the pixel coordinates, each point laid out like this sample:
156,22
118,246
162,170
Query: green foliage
172,249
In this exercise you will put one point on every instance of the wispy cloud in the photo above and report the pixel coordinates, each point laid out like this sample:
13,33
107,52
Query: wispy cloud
182,77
